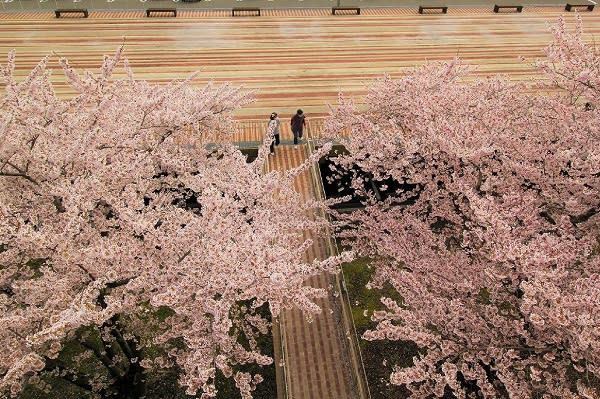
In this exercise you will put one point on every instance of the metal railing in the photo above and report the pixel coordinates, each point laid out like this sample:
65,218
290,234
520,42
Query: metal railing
253,130
355,353
279,334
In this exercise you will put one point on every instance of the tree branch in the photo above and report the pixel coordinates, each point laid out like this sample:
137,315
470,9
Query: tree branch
23,175
106,361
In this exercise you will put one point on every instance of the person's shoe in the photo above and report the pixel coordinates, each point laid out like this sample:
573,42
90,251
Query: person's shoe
272,153
295,146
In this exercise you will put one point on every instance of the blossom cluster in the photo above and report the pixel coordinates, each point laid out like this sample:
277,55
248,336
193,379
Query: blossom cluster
489,229
104,213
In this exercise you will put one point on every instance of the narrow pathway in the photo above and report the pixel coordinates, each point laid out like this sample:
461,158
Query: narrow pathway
316,355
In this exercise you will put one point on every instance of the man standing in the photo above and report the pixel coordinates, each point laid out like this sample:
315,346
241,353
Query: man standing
298,123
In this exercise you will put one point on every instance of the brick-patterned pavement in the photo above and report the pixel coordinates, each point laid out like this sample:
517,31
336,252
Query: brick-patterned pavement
317,357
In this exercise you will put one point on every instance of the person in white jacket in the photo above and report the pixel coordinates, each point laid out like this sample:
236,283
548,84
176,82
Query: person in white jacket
274,125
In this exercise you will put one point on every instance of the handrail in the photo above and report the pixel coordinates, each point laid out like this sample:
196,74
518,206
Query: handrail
357,361
279,333
286,376
355,353
282,382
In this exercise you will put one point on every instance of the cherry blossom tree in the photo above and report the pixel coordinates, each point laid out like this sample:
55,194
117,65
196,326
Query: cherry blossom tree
130,199
488,225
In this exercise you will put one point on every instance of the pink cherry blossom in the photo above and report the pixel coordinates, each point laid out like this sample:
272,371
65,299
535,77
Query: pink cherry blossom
489,233
131,197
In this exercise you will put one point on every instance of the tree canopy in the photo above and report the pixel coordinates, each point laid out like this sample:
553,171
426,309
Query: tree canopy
488,229
129,198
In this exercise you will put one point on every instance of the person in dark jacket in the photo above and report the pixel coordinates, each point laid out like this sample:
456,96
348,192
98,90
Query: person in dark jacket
298,123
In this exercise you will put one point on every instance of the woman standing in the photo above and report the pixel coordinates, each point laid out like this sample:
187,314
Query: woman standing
274,125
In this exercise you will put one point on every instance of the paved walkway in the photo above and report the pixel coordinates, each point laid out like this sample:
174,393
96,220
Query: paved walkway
318,362
121,6
292,58
292,61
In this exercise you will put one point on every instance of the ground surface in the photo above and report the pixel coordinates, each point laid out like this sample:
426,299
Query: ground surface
292,59
25,5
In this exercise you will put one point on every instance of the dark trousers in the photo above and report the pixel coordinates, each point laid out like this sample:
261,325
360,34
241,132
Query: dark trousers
276,139
297,134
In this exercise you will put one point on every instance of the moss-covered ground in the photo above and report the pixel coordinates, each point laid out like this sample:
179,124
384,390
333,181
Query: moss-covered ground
378,356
